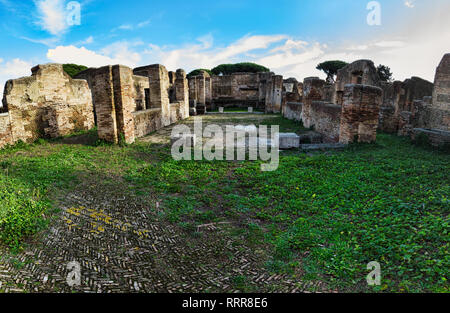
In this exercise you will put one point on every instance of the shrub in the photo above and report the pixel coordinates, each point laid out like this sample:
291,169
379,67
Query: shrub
198,71
73,69
228,69
21,211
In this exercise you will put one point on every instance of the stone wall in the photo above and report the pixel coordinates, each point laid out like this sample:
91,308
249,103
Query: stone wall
360,113
141,93
274,94
257,90
361,72
440,118
127,101
293,111
312,91
146,122
292,92
5,130
325,118
236,90
49,103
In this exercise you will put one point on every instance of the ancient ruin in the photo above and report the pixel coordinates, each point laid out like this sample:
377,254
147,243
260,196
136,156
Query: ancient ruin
258,90
126,103
359,104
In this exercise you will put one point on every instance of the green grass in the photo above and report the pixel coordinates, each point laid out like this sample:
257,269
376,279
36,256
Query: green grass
325,216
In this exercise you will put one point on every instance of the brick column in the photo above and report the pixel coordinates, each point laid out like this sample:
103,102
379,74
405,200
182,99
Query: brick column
440,115
360,113
312,91
277,93
103,98
201,89
124,101
159,95
182,92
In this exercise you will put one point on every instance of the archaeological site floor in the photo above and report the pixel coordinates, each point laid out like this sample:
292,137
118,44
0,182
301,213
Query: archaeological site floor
138,221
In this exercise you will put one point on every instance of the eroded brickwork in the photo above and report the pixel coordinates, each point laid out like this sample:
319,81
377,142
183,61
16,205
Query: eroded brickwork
360,113
359,72
49,103
440,118
124,101
312,91
182,92
5,130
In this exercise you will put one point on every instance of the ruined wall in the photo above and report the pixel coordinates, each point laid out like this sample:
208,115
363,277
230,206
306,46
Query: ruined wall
236,90
5,130
399,97
326,119
49,103
274,94
293,111
360,113
440,118
264,83
146,122
361,72
312,91
127,101
141,93
291,93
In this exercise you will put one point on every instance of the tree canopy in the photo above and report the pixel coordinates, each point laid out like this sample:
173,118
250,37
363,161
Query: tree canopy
73,69
197,72
228,69
384,72
331,68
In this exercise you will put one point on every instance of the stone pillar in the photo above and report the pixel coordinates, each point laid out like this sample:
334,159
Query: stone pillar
208,91
193,89
201,90
269,95
360,113
159,95
440,116
103,98
124,101
277,93
182,92
312,91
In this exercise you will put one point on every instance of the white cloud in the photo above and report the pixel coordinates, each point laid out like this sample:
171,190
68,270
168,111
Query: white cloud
47,42
117,53
132,26
13,69
205,55
52,16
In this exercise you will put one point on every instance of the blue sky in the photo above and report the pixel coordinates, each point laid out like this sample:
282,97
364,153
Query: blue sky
290,37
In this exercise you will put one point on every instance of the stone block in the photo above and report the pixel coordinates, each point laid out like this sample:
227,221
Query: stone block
289,141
